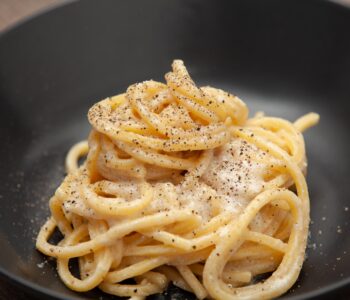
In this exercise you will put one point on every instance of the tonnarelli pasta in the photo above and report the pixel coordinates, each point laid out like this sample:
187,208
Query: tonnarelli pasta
180,186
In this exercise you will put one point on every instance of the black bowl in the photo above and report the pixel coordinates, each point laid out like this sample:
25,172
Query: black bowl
284,57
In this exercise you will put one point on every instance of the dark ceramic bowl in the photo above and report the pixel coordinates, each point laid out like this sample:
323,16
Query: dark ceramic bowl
284,57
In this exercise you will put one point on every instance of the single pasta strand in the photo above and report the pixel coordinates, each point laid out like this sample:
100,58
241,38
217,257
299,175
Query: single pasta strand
192,281
78,150
306,121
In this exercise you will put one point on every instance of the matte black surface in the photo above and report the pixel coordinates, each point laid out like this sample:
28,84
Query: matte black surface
284,57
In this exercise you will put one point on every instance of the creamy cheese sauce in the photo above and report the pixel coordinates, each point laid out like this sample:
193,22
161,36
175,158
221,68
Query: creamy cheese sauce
234,177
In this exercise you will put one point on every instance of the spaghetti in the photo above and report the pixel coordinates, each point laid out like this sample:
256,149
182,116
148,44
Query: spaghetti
180,186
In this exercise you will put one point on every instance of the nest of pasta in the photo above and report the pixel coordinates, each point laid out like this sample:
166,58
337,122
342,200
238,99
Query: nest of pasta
180,186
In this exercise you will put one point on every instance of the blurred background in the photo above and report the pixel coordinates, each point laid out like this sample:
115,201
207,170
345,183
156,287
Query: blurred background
12,11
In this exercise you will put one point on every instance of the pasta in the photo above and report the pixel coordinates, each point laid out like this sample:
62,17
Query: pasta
179,185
